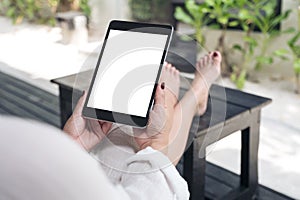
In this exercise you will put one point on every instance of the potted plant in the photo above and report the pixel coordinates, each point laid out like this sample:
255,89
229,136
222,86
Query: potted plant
260,14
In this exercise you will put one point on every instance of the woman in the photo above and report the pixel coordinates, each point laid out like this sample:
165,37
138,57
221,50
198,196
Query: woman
37,162
168,136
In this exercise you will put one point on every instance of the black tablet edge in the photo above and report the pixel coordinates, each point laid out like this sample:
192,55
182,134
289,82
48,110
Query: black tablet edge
127,25
110,116
105,115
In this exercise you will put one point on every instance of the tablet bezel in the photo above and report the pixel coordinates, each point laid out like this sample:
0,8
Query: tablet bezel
122,118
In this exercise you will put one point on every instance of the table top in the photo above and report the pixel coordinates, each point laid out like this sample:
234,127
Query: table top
224,104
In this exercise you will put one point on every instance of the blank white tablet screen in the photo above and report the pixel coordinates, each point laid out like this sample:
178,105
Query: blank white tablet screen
127,72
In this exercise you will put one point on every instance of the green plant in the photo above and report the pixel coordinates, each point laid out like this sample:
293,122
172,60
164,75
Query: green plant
149,10
195,15
41,11
141,9
221,11
295,48
84,7
260,14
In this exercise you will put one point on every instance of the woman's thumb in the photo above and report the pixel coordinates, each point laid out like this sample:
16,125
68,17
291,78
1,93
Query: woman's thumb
80,104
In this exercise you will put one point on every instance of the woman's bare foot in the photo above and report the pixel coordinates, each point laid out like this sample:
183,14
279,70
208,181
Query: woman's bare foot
157,133
207,71
170,76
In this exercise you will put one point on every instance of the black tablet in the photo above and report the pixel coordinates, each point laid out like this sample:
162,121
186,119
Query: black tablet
125,79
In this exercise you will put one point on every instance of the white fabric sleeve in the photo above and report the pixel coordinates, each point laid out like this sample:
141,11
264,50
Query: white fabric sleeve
40,162
151,175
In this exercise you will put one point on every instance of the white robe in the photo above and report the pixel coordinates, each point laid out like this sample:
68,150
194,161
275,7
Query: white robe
40,162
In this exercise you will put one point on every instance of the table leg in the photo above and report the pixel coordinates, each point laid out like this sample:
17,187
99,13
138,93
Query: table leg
249,161
67,100
249,155
64,108
194,171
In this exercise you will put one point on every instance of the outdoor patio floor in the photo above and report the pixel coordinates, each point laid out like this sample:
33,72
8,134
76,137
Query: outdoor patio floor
26,101
21,99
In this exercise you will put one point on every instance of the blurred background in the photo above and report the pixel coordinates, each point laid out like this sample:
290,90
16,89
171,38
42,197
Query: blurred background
42,40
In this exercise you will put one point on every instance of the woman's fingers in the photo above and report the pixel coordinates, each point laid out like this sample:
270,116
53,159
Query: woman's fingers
76,124
106,126
80,104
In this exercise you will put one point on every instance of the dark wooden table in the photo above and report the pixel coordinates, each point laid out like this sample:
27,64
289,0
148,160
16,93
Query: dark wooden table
228,111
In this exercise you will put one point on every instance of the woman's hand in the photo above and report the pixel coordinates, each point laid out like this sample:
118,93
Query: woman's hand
156,133
86,132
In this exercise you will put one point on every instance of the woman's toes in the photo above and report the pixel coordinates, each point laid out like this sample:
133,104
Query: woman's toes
200,64
203,62
206,60
173,70
217,57
169,66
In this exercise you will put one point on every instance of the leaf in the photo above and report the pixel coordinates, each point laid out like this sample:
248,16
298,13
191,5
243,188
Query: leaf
269,8
182,16
244,14
233,23
296,51
238,48
292,42
297,66
185,37
210,2
194,9
250,40
274,33
10,12
240,82
238,76
215,26
245,27
275,21
289,30
264,60
212,16
281,53
223,20
233,77
240,3
205,10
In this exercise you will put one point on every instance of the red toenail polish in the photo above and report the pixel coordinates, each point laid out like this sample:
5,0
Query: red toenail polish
215,54
162,85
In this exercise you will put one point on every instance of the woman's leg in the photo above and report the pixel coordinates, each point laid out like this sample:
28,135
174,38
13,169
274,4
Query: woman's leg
119,145
193,102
